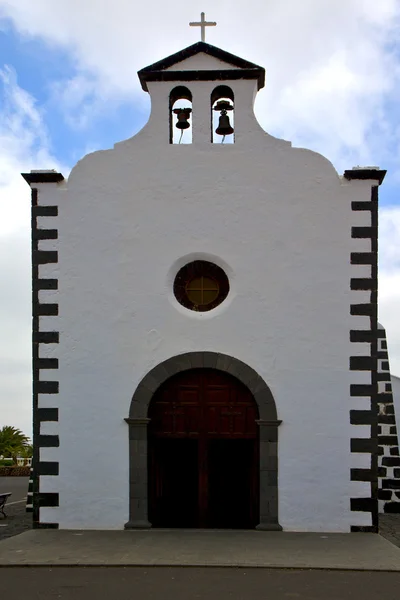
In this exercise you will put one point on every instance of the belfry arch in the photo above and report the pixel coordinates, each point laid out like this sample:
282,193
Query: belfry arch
138,432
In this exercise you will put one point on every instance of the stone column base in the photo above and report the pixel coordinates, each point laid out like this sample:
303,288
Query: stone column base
269,527
138,525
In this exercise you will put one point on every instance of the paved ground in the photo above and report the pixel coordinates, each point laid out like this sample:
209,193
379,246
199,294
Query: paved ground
49,547
195,584
390,528
18,521
17,485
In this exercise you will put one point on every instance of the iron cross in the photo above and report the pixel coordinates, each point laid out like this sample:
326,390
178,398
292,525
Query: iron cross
203,24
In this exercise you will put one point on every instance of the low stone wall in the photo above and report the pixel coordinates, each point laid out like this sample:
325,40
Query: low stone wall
15,471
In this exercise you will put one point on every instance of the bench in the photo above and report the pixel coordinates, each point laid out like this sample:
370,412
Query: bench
3,499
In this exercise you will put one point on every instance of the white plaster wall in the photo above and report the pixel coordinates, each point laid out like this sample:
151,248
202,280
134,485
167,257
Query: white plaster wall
278,220
200,62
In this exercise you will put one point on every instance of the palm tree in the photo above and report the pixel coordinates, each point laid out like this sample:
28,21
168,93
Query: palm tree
12,442
26,453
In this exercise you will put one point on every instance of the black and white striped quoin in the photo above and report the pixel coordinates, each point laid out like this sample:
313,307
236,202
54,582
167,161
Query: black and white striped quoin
365,252
43,217
388,441
29,497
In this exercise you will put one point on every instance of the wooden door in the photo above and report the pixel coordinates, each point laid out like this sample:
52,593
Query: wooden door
218,414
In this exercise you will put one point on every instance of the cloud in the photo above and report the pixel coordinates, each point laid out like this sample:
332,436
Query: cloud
330,65
389,281
23,145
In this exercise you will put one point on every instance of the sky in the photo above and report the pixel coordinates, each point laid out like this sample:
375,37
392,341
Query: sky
68,86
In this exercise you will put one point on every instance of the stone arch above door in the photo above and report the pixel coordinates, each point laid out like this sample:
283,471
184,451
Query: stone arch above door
138,421
199,360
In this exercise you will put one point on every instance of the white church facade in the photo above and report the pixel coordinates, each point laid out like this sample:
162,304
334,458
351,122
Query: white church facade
205,335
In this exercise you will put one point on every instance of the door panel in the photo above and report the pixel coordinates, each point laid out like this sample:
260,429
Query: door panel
230,486
174,482
213,480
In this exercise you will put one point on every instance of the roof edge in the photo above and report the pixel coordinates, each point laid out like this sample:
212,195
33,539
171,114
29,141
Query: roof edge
377,174
196,48
43,177
157,71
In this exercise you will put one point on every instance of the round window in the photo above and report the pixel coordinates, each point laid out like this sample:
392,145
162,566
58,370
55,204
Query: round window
201,285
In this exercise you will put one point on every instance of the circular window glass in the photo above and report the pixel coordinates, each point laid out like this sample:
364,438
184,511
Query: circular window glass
201,285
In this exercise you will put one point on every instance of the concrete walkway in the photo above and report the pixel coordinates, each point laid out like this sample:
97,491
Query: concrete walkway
357,551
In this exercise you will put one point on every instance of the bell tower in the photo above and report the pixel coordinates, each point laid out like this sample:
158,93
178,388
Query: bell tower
209,94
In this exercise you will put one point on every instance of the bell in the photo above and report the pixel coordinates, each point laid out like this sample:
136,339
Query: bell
183,114
224,127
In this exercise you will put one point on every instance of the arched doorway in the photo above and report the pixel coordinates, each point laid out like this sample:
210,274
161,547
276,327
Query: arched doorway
203,452
139,421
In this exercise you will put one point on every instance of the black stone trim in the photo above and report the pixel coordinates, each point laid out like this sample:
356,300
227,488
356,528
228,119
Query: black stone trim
45,211
40,257
45,257
377,174
48,363
49,499
35,356
43,177
46,337
46,284
45,387
361,310
366,363
49,441
222,75
386,398
361,363
48,414
361,335
361,389
361,205
383,377
391,484
46,234
363,232
361,475
384,494
365,283
374,350
47,526
382,354
363,445
392,507
388,440
391,461
50,310
48,468
362,504
243,66
362,258
361,417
